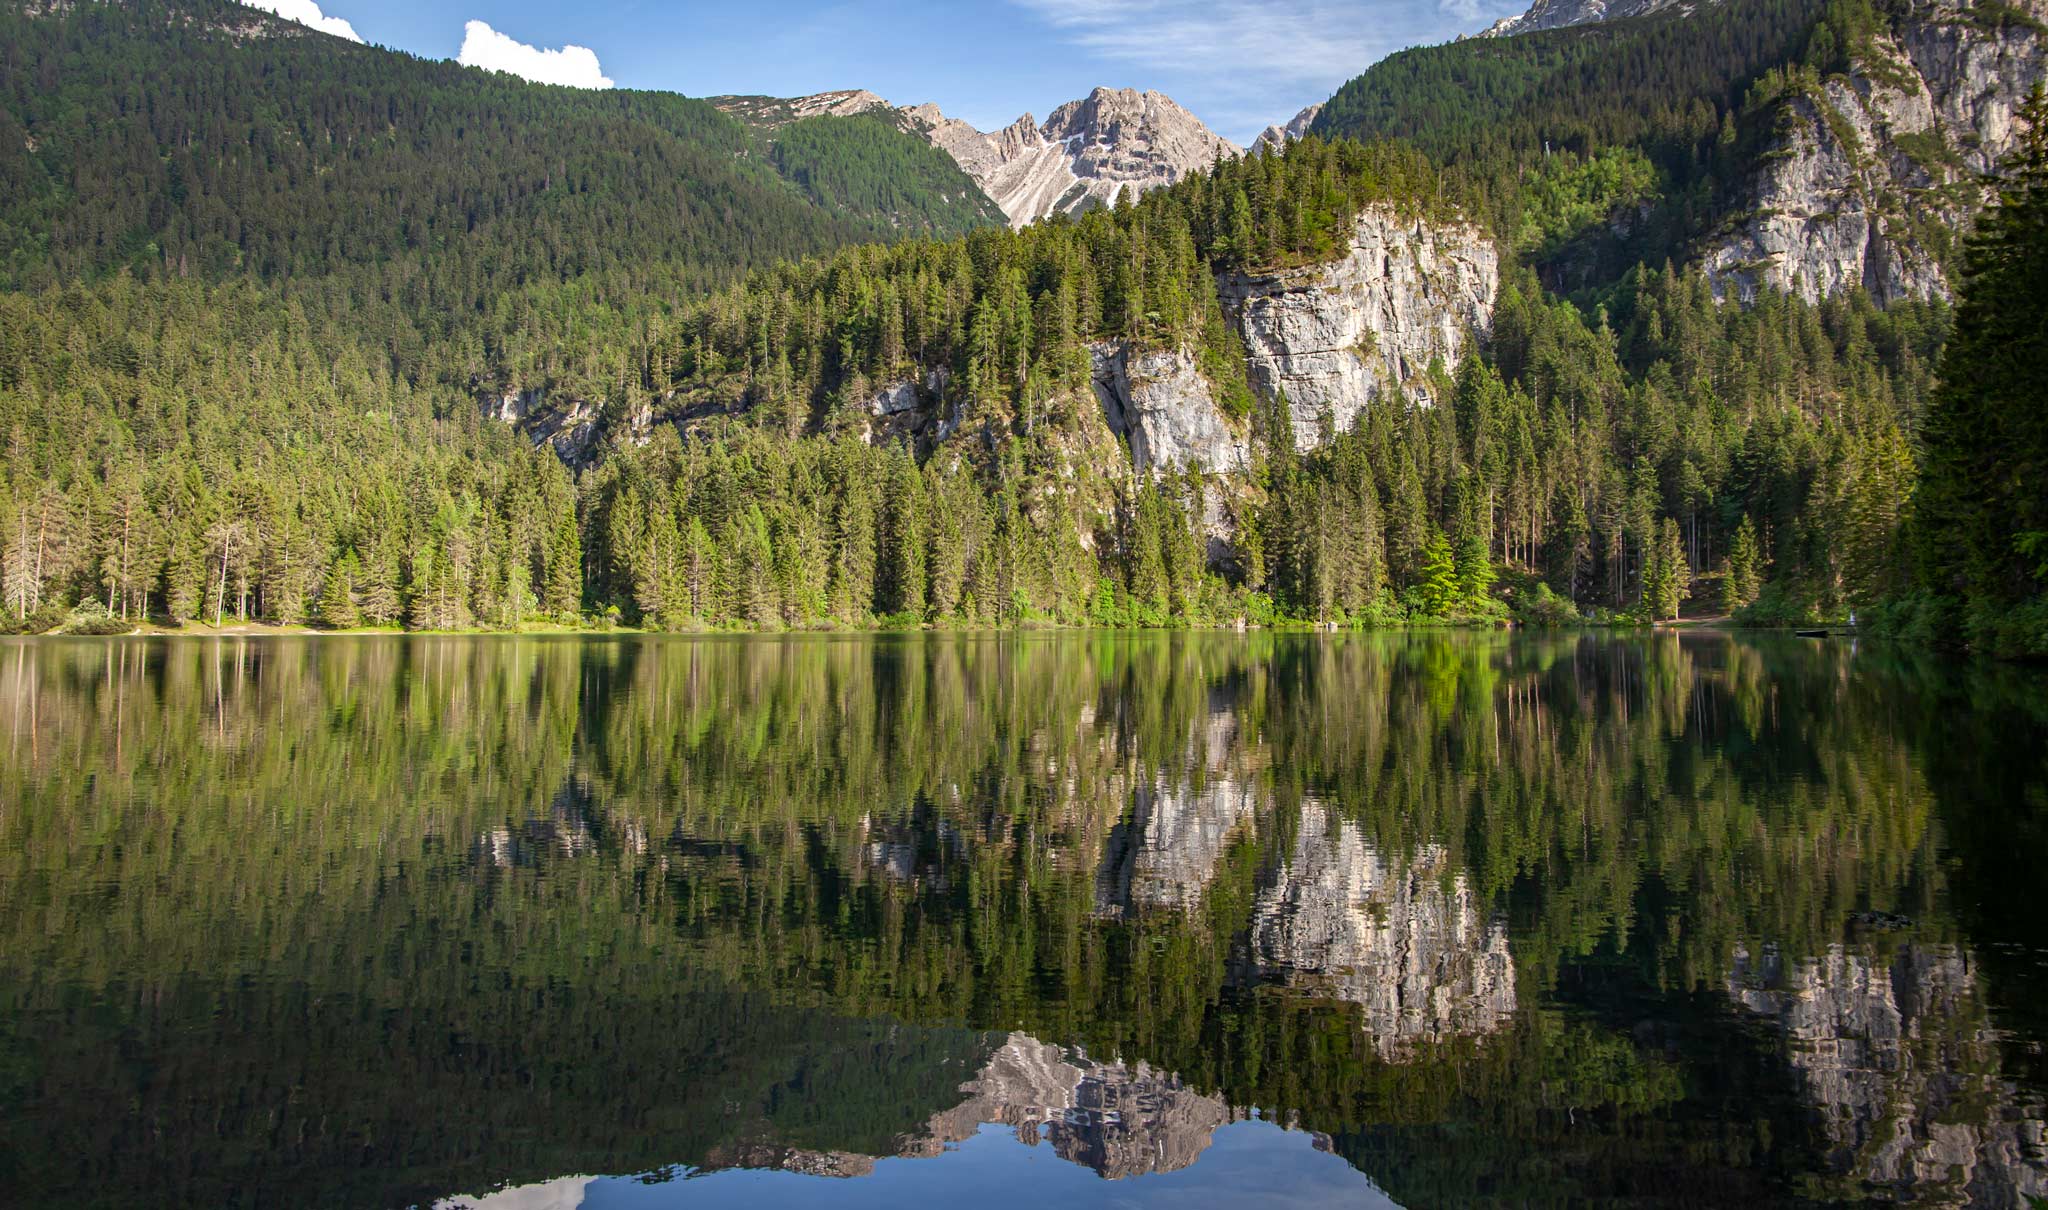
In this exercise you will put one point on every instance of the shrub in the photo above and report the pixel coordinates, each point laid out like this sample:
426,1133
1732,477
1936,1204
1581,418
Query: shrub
1777,607
92,618
2009,632
1543,609
43,621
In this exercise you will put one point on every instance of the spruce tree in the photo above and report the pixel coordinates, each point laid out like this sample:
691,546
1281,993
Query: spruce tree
1982,509
338,603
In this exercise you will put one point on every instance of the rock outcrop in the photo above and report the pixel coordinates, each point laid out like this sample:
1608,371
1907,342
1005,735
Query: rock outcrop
1274,138
1874,174
1164,411
1336,337
1400,936
1897,1056
570,427
1088,153
772,112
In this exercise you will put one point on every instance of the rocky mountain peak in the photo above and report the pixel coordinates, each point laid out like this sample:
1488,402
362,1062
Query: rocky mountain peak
1558,14
1087,153
1274,138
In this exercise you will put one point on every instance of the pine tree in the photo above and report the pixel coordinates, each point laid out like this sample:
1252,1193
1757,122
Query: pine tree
1438,589
337,602
1982,523
1666,576
1475,571
1743,579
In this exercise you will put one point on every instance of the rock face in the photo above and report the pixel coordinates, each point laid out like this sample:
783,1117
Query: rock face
1116,1120
1336,337
569,427
1333,337
1402,937
1162,408
1088,153
1166,856
1874,174
1898,1056
777,111
1557,14
1274,138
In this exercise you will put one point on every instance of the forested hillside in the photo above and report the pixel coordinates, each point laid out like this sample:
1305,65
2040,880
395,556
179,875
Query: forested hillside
921,432
1805,143
1557,130
183,138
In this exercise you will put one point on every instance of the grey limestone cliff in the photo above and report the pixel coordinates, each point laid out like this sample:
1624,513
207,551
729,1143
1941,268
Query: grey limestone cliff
1874,174
1336,337
1162,408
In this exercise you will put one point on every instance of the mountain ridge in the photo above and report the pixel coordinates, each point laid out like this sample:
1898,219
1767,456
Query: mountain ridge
1088,152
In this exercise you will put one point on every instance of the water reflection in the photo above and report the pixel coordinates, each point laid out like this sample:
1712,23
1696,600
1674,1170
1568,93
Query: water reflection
1490,920
1401,937
1898,1054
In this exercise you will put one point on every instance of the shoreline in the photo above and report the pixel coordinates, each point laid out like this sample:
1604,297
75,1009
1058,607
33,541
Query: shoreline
255,630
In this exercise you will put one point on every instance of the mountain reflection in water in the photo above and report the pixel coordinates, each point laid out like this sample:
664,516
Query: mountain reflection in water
1173,919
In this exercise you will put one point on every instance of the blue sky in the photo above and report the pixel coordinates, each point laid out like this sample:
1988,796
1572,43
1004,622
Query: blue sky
1238,64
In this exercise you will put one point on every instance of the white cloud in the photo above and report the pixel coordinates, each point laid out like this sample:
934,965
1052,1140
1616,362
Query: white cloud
575,66
308,13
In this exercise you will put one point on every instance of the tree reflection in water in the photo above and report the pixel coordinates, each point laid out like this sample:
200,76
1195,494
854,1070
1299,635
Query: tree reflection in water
1528,921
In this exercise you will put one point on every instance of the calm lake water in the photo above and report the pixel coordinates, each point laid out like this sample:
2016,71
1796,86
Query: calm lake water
1189,920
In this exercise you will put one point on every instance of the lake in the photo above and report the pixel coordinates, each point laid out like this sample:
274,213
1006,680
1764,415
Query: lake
1136,920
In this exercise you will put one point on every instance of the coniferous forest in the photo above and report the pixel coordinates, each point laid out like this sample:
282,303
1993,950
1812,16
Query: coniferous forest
264,290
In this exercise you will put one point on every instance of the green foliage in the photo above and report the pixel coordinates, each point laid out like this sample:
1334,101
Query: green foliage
1437,592
1782,606
1668,577
1543,609
176,138
1569,196
92,618
1981,509
1744,576
1550,134
868,164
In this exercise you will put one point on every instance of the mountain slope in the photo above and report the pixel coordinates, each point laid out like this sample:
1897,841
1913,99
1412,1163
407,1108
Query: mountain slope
1802,145
1562,14
1599,146
1113,142
1882,151
195,136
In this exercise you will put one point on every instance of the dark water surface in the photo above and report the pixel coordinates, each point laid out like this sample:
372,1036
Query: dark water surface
1167,920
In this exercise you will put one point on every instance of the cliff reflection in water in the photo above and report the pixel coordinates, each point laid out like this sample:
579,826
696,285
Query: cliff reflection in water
1514,921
